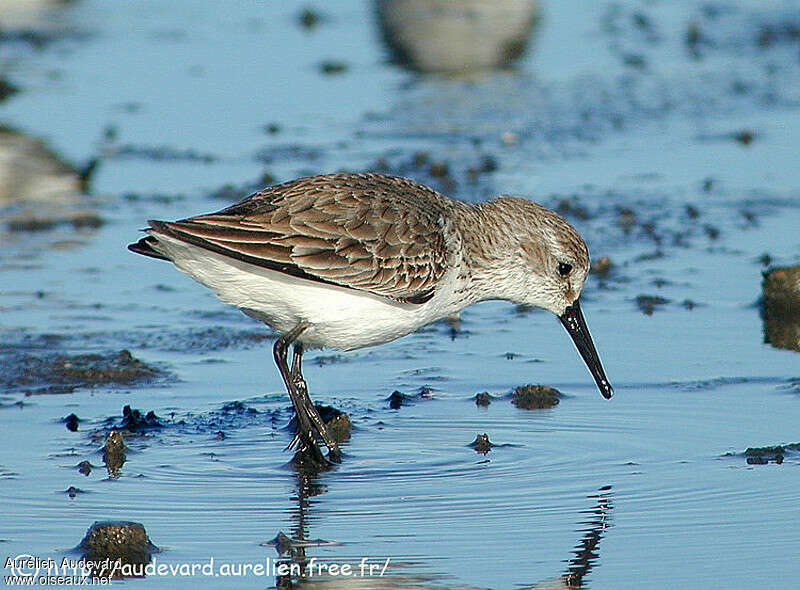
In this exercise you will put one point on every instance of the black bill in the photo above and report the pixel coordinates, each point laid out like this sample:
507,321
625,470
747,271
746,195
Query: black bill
573,321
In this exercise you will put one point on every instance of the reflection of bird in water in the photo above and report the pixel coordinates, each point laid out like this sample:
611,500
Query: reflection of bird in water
308,486
586,551
457,36
356,260
586,556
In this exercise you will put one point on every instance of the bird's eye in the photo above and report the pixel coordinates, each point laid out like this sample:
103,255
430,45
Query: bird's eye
564,268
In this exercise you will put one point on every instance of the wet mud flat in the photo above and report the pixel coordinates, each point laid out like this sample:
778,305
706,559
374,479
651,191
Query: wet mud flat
665,132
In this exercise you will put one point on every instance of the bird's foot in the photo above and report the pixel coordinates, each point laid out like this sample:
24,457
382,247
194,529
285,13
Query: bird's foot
300,446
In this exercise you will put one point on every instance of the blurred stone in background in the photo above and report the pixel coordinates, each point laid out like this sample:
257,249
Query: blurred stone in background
457,37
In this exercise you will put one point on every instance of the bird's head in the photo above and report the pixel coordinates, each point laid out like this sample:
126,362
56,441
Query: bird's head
551,262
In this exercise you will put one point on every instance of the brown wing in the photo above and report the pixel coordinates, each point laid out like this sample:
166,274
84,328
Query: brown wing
371,232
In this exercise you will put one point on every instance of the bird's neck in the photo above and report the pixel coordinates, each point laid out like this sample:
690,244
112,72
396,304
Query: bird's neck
490,251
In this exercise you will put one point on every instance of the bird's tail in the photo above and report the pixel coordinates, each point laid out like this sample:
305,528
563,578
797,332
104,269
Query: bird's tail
145,247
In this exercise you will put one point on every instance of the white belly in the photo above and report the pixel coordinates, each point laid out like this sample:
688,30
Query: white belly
338,317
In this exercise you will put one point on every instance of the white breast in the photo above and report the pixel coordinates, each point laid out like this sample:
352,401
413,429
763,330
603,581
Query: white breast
338,317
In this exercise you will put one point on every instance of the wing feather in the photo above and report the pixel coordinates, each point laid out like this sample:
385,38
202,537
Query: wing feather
371,232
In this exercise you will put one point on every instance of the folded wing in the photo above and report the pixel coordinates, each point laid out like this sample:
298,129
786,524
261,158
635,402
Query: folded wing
370,232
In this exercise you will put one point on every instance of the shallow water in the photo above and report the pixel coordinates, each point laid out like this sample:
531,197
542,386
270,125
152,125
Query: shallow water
650,140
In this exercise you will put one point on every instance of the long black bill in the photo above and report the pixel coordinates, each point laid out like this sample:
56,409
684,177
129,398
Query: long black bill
573,321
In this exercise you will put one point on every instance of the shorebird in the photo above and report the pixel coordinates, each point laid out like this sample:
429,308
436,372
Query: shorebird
355,260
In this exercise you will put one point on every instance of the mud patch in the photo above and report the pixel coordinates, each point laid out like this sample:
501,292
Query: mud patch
162,154
535,397
133,422
73,492
71,422
20,343
773,454
7,89
42,373
398,399
647,304
483,399
197,339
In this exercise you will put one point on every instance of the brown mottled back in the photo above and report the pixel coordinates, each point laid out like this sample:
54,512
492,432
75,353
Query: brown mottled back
372,232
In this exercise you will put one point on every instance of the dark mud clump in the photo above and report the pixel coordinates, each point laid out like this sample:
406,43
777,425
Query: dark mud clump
535,397
774,454
114,453
230,416
163,154
745,136
333,67
780,309
199,339
481,444
30,221
35,374
71,422
7,89
330,359
487,165
308,18
439,169
114,430
72,491
237,407
124,544
649,303
134,421
483,399
84,468
337,423
398,399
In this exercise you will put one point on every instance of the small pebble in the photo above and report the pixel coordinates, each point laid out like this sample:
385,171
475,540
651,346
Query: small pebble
84,468
648,303
481,444
483,399
439,169
331,67
308,18
745,136
71,422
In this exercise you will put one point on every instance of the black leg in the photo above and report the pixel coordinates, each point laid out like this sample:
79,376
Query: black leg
305,430
302,388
